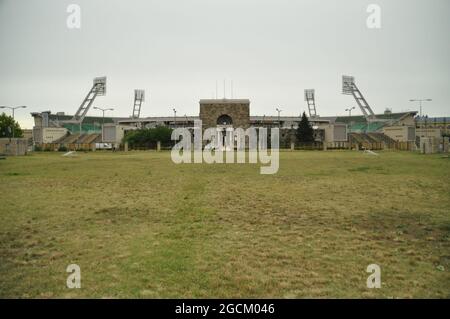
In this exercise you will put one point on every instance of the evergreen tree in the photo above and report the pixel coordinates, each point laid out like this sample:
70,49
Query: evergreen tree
305,133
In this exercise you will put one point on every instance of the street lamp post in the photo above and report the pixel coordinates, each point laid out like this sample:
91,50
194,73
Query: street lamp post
420,104
349,110
103,117
174,117
13,108
279,121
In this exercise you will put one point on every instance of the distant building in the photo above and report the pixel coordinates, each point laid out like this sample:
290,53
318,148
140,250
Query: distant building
221,113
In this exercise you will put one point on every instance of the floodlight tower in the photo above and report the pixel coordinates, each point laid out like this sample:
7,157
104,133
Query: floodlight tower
139,97
310,100
98,89
349,88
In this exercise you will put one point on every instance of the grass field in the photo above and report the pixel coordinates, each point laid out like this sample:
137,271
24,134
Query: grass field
140,226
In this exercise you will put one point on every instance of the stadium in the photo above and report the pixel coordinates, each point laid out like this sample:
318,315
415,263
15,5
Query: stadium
321,172
389,130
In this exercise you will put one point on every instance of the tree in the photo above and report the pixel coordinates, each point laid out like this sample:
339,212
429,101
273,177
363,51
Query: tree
305,133
149,137
7,125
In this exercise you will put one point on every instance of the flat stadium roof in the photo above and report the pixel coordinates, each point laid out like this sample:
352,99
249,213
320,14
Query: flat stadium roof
221,101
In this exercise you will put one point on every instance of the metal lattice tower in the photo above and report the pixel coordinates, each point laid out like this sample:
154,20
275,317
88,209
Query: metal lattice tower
310,100
139,97
98,89
349,87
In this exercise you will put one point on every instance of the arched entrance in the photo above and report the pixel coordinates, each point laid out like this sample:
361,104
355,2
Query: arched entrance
224,120
225,126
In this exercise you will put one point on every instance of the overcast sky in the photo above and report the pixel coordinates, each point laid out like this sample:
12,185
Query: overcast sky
177,50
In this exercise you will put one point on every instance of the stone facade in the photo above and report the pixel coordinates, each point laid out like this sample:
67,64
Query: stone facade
237,110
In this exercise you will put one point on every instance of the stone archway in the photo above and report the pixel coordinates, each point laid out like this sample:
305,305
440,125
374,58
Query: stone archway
224,125
224,120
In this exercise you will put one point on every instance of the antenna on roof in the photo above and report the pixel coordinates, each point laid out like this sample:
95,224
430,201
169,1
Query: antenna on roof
216,89
224,93
231,89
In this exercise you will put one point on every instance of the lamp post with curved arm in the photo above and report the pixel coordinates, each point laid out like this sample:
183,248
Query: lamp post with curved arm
103,117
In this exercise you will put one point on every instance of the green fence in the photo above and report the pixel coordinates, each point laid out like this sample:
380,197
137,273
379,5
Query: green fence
88,128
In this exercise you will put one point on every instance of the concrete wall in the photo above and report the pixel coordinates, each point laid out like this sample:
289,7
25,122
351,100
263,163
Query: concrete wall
429,132
400,133
334,132
51,134
113,133
37,134
13,146
407,121
339,132
109,133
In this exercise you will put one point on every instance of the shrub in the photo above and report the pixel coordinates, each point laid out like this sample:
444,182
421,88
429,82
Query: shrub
148,137
62,149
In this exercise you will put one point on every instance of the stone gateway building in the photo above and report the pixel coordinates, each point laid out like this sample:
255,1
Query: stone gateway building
235,113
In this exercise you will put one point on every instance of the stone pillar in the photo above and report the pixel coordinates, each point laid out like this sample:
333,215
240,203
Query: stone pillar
445,145
158,146
435,144
292,146
426,145
125,147
324,144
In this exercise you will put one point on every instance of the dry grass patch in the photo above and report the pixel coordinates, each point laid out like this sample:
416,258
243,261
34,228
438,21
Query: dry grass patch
141,226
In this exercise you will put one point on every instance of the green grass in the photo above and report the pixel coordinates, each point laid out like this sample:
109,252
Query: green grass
140,226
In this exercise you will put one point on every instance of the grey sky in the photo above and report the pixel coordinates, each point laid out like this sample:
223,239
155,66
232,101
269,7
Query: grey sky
176,50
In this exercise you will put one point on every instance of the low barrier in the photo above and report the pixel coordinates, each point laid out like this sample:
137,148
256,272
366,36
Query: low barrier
13,146
66,146
398,146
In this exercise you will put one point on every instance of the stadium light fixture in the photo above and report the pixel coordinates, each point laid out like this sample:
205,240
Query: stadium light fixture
348,84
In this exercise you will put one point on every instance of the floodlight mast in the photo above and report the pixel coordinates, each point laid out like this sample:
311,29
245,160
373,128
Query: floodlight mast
98,89
349,88
139,97
310,100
